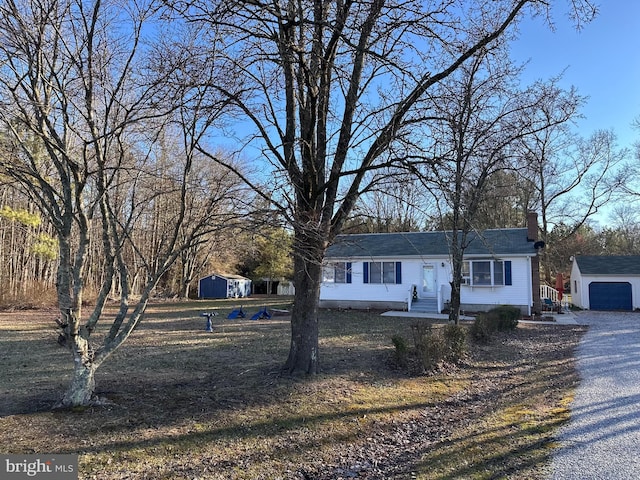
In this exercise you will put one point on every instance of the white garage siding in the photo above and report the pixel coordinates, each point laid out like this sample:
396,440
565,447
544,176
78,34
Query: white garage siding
588,270
607,269
580,288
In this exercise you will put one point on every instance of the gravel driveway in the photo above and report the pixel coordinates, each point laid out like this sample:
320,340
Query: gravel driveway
602,439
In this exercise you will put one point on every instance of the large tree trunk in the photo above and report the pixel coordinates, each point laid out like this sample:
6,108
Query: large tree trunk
303,353
80,391
185,285
73,335
456,278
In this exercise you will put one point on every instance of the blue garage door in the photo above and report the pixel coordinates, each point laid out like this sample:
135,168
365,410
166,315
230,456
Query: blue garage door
610,296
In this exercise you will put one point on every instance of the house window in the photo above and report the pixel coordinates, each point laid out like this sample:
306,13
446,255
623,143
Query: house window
337,272
466,273
487,273
375,272
481,273
498,272
382,272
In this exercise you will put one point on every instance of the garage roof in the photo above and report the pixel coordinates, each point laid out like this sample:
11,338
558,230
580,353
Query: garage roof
608,264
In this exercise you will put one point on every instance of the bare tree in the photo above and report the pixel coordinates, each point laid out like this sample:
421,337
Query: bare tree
329,87
393,202
82,110
622,237
479,115
225,200
573,178
510,198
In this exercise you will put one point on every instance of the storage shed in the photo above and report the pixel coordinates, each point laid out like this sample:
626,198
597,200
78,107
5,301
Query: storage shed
606,282
224,286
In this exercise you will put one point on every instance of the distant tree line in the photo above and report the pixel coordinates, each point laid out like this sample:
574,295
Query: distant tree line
249,245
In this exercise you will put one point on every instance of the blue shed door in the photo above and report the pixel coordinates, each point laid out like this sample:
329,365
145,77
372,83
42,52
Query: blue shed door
207,288
610,296
213,287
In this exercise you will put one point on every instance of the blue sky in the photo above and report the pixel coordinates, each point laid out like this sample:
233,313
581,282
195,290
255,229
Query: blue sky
602,61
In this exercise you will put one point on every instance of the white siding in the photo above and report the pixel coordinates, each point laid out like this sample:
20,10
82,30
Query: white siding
578,296
358,290
519,293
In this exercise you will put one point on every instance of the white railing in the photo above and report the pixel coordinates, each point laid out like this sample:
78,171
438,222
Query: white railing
548,292
410,297
551,293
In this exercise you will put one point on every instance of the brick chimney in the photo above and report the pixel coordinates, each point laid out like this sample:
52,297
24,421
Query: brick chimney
532,236
532,226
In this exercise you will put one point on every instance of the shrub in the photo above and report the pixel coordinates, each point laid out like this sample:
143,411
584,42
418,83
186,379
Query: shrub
500,319
481,328
506,317
402,350
433,345
429,346
421,331
455,342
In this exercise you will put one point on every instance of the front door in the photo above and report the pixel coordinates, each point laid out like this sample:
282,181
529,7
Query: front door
428,280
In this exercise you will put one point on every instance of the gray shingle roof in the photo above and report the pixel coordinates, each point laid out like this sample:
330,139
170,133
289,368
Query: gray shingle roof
509,241
608,264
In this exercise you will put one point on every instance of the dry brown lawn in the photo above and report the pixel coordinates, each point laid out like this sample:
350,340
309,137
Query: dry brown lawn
188,404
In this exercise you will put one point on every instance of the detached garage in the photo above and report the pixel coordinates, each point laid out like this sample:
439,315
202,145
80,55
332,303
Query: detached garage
606,282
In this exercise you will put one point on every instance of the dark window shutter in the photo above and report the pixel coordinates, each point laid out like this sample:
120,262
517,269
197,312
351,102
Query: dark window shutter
398,272
348,272
507,273
365,272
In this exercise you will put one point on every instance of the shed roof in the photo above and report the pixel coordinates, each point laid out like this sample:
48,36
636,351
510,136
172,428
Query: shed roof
226,276
608,264
508,241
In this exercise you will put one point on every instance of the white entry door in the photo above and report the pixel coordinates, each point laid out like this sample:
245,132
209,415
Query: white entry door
429,280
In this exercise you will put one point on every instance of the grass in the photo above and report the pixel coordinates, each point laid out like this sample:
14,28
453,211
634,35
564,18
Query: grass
186,403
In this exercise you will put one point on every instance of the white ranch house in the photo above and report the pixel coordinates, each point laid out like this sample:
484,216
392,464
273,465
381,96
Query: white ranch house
382,271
